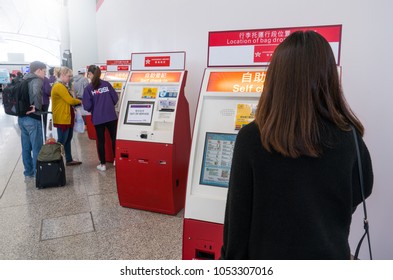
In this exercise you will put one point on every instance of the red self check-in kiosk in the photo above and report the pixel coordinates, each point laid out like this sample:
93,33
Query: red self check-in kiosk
227,101
153,135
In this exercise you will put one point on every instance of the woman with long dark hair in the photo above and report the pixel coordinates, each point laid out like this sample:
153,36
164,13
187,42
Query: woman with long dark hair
294,179
100,99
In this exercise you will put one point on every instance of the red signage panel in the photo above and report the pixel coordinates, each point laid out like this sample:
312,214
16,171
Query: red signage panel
123,68
118,62
255,47
154,61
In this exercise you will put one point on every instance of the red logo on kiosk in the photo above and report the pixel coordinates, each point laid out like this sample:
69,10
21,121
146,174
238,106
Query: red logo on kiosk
154,61
103,67
122,68
263,53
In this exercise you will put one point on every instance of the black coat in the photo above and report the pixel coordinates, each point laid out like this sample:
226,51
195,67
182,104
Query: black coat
285,208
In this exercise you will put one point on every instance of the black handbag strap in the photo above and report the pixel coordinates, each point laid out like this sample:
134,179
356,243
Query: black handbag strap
365,220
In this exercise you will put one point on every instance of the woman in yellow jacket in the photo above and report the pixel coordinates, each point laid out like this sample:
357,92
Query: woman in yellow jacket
63,111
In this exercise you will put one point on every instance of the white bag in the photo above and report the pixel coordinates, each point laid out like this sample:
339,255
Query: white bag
51,131
79,124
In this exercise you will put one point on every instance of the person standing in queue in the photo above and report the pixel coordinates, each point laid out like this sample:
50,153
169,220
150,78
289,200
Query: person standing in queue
30,124
294,181
100,98
63,111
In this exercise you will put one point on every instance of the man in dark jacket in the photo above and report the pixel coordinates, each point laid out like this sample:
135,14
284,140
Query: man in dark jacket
30,125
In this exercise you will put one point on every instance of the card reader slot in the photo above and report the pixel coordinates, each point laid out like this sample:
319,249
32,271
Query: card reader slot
143,161
167,110
203,255
124,155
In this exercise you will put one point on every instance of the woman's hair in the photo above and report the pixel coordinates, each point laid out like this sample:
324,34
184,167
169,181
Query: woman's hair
302,88
63,70
51,71
96,71
56,72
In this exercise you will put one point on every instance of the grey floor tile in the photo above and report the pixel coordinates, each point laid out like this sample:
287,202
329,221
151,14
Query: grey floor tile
76,247
66,226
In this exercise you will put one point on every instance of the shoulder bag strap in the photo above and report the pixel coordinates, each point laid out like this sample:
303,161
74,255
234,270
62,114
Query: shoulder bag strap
365,220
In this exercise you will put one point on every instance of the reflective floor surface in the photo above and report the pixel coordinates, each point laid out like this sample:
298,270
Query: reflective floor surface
82,220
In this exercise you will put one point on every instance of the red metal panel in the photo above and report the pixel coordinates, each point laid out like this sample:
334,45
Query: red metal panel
144,176
202,240
91,131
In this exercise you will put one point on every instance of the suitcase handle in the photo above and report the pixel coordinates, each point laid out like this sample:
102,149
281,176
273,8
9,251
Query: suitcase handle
42,124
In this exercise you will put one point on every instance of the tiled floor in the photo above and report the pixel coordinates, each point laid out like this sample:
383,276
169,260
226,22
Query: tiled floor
82,220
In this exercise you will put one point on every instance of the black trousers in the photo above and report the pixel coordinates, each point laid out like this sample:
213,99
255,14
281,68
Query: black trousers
100,130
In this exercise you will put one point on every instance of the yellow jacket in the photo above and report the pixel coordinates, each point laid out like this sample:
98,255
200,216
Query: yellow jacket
61,101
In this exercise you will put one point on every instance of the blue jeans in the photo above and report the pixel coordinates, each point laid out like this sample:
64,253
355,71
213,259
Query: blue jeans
31,139
65,137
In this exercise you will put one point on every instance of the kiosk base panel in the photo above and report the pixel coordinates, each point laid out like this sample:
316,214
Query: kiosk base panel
146,178
202,240
91,131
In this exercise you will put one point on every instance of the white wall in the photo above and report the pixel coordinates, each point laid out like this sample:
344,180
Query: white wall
367,59
83,32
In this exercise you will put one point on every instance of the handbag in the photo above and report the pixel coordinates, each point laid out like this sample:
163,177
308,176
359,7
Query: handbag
51,130
365,219
79,124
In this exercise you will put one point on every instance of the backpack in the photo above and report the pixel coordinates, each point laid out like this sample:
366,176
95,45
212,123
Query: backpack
51,152
16,98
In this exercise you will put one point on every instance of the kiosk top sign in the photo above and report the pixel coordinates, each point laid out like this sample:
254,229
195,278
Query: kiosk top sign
118,62
155,77
118,65
249,81
112,76
255,47
158,61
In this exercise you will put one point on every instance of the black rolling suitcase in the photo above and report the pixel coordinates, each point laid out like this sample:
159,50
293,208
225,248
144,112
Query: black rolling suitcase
50,164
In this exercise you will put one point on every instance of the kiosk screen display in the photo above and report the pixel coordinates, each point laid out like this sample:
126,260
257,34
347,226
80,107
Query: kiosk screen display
217,159
139,113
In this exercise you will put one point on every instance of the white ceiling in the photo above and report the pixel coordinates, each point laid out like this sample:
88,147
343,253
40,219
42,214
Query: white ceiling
31,27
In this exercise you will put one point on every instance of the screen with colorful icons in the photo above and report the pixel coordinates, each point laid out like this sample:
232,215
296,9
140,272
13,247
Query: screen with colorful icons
217,159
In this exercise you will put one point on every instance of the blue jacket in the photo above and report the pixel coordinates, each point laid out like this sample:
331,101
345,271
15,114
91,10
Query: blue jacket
100,102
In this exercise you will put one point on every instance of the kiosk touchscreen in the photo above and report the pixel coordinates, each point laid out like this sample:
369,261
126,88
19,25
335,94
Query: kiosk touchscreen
227,102
154,135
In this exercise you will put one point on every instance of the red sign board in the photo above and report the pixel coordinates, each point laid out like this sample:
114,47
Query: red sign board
103,67
250,81
154,61
263,53
255,47
123,68
155,77
118,62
